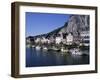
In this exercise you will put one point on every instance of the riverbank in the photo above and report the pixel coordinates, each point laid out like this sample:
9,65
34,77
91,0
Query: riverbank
68,49
42,57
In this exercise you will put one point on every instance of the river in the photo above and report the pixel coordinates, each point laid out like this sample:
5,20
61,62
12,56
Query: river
36,58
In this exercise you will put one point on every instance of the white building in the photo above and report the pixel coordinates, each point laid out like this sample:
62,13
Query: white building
51,40
69,39
85,37
28,40
58,40
84,33
37,40
44,40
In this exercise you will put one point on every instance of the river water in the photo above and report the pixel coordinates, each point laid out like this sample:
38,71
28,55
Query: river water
36,58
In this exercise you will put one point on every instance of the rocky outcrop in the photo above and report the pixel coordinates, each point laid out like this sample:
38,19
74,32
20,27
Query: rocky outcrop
75,25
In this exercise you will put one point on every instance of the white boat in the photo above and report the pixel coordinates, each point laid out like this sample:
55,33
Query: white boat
55,49
33,46
45,48
38,47
28,45
64,50
76,51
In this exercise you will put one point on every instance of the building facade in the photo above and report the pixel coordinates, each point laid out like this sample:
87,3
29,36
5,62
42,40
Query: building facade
85,38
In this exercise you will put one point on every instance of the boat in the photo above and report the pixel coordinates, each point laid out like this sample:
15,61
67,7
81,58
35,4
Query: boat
53,49
28,45
33,46
64,50
38,47
75,51
45,48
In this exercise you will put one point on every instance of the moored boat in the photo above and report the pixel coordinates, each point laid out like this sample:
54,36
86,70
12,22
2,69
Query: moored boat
33,46
28,46
38,47
64,50
75,51
54,49
45,48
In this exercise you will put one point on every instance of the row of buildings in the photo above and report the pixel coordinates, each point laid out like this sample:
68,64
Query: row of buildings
66,38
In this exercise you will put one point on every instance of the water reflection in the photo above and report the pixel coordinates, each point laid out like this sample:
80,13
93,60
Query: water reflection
53,58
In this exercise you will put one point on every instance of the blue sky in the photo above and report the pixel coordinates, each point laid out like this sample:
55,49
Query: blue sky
40,23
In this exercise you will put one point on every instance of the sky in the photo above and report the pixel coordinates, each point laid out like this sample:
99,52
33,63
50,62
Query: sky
41,23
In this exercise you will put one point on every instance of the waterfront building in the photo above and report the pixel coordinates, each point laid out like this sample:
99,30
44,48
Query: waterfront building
58,40
69,39
29,40
44,40
85,38
37,40
51,40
